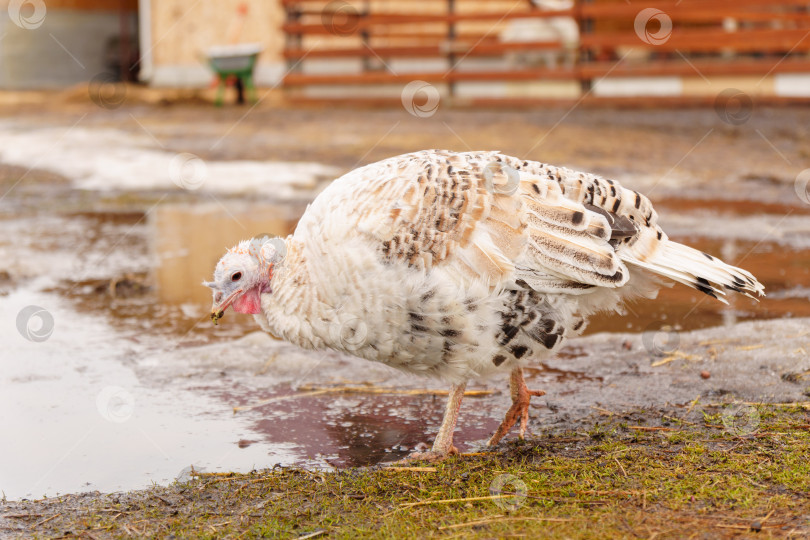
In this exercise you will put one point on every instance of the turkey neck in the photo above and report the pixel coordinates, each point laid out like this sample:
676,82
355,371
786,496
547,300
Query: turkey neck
292,306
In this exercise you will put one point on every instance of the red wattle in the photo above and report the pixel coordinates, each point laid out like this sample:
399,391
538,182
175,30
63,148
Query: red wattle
249,302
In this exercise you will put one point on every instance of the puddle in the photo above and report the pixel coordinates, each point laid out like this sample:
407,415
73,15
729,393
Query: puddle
130,314
75,416
357,430
182,244
784,272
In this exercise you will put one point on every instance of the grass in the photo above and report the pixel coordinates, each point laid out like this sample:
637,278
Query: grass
724,477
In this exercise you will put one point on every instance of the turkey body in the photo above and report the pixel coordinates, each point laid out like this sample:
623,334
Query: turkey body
456,265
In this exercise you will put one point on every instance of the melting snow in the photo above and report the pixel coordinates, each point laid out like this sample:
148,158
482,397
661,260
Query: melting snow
110,159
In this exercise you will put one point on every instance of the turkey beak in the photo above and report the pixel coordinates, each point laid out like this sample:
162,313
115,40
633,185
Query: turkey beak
219,306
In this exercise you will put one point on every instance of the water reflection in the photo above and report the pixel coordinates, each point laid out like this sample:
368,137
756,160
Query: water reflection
189,240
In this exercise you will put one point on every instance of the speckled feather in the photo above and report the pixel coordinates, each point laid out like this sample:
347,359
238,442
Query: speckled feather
458,264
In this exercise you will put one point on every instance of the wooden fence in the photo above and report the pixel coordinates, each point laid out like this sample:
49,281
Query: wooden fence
345,48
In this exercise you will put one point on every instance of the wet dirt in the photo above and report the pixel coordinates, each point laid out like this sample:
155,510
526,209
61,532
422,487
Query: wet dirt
135,385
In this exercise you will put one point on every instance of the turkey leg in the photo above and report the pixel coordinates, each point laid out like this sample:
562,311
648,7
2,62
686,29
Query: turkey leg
521,396
443,445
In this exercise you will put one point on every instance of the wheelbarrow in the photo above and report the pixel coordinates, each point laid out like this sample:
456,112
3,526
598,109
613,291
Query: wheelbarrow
234,62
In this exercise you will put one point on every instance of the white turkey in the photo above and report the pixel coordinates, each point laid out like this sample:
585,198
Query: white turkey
456,265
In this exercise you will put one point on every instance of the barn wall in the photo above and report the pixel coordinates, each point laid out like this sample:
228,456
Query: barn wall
181,30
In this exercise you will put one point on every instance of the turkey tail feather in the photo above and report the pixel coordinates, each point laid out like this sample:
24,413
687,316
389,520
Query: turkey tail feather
700,271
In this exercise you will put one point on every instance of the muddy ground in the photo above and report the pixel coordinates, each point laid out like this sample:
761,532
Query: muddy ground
624,477
135,386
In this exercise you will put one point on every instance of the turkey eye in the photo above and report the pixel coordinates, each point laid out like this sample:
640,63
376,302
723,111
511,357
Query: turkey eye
237,276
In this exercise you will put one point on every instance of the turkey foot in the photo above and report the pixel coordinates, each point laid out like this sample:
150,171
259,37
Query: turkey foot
430,456
443,445
521,397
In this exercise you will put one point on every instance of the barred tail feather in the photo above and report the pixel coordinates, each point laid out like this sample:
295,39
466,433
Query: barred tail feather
700,271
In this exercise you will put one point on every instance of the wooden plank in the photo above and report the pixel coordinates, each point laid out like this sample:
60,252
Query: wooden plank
601,8
718,16
765,40
385,77
93,5
635,102
705,67
610,10
587,71
366,22
378,22
418,33
438,50
674,9
647,102
293,4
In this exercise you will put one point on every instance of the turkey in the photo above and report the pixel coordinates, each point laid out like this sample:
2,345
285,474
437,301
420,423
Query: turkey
457,265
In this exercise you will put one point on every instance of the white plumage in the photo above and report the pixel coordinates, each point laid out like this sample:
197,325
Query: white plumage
456,265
